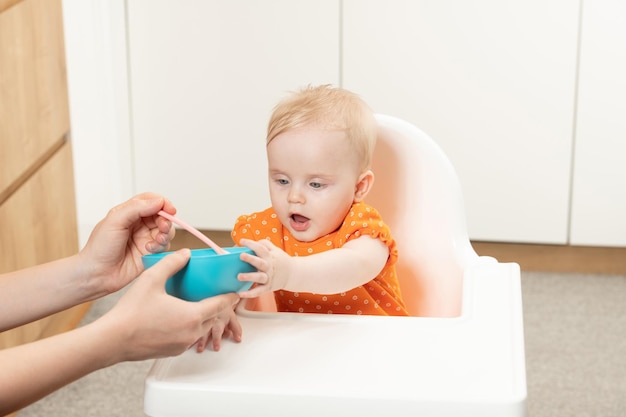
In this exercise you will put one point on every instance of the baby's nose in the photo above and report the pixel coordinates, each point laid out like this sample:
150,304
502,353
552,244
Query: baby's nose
295,195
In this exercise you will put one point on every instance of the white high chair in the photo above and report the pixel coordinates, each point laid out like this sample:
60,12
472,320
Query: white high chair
462,355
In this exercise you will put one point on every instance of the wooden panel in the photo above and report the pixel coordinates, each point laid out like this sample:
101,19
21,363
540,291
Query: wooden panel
558,258
184,239
38,224
33,102
5,4
37,204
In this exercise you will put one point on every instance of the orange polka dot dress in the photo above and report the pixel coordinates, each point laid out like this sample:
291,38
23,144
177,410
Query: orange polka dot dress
381,296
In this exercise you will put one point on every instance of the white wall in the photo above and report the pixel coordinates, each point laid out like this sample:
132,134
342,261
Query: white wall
102,120
95,44
204,78
599,188
495,94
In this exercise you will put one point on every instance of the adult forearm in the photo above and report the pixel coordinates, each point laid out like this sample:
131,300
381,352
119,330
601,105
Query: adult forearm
34,370
29,294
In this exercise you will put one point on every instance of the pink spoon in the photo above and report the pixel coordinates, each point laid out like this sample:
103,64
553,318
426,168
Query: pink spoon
193,231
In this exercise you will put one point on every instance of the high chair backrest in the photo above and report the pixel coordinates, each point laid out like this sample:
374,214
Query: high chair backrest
417,191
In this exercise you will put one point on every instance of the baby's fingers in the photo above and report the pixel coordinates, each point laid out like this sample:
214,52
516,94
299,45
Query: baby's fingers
255,261
217,332
255,291
258,277
235,330
201,343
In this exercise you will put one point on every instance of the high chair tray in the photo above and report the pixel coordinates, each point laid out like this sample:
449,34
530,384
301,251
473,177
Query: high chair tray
316,365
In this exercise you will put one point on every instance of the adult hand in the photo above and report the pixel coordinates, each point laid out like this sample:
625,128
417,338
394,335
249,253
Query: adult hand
150,323
146,323
226,325
112,256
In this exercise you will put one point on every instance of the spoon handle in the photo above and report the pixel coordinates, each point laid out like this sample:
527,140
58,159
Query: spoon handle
193,231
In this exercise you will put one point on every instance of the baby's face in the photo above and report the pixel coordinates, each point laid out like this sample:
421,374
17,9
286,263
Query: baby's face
313,176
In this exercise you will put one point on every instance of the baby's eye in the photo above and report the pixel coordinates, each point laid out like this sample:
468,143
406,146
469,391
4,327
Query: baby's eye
315,185
282,181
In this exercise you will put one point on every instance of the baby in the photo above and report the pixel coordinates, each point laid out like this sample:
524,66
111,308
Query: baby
320,247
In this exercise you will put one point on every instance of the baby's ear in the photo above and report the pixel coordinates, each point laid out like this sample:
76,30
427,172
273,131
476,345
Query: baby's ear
363,186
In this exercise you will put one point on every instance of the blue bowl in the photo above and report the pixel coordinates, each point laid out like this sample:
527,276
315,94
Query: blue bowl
206,274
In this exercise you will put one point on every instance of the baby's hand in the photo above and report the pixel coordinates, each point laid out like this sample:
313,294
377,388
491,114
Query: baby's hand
225,325
273,267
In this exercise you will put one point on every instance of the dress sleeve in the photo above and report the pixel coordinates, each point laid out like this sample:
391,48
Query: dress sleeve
242,229
256,226
364,220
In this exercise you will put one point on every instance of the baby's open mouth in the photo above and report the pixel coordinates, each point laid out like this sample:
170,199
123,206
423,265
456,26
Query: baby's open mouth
299,223
299,219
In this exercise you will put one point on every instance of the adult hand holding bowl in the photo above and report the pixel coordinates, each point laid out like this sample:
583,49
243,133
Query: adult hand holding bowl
208,273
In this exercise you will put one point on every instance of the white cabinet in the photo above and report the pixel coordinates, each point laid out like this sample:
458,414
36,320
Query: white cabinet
494,83
599,191
204,76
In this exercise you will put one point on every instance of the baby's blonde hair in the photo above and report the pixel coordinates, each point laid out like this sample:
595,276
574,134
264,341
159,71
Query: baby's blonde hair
331,108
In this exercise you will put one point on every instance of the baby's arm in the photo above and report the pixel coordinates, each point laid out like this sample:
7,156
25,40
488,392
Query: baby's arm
330,272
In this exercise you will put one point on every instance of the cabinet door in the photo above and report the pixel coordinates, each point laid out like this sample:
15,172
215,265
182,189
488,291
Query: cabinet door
37,205
38,224
494,83
599,191
204,78
33,87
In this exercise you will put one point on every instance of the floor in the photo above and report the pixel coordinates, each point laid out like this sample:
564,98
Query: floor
575,338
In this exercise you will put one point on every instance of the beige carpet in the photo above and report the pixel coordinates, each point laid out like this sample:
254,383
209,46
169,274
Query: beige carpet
575,330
